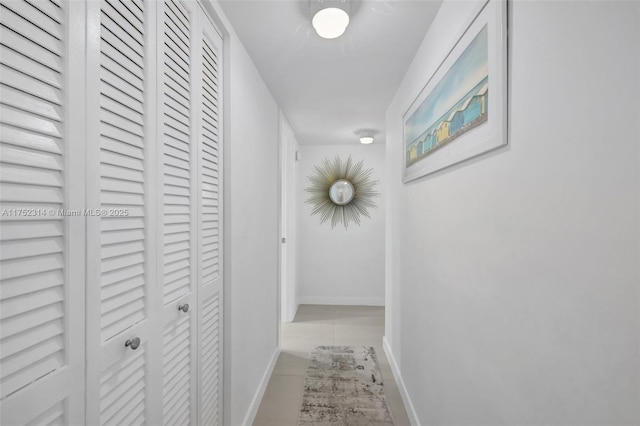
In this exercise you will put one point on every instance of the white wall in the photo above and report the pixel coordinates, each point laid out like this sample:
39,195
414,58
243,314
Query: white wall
251,214
518,301
289,185
340,266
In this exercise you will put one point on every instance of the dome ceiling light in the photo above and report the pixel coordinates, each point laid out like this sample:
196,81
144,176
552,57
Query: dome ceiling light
366,136
330,17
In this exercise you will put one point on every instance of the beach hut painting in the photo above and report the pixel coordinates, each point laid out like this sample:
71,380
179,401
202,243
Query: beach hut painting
461,112
456,105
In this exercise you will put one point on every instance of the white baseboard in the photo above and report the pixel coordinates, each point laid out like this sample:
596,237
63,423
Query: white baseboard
355,301
408,405
290,316
257,398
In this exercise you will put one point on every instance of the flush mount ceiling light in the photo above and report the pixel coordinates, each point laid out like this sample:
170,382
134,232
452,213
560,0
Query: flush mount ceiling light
366,135
330,17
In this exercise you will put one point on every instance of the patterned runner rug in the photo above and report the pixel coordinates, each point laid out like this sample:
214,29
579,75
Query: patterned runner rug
343,386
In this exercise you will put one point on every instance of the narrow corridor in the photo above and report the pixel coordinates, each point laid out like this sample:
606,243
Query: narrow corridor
316,325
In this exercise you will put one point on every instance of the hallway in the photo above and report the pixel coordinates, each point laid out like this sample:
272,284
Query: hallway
316,325
168,170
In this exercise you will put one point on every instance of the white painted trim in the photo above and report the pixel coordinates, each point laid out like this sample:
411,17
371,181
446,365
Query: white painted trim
352,301
291,316
404,393
257,398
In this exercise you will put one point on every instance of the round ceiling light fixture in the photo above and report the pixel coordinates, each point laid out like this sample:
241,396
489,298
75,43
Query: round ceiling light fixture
330,19
366,140
366,136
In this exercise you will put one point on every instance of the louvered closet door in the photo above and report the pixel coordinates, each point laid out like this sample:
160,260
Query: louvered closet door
177,195
121,254
210,225
41,251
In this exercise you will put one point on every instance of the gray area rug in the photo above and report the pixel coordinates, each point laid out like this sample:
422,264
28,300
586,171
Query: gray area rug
343,386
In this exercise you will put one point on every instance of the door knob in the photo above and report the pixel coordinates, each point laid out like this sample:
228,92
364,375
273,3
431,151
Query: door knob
183,308
133,343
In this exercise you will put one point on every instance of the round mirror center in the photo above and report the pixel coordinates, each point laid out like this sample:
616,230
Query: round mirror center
341,192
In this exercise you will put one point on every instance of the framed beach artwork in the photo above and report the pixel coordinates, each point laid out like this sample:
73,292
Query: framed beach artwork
462,111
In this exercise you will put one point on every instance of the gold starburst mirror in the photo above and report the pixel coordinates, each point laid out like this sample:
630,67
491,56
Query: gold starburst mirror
341,191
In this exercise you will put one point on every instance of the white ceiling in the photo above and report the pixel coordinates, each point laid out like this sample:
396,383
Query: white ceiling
330,89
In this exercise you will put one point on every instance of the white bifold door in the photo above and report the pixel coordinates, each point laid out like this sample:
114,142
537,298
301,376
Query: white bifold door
41,249
112,316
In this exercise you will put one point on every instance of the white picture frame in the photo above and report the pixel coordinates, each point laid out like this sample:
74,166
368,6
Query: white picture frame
467,94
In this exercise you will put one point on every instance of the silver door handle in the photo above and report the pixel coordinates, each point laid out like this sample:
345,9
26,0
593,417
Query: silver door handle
132,343
184,308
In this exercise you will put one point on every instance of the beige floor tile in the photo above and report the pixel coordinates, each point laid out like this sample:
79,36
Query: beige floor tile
319,311
357,310
396,405
349,341
316,308
372,329
314,313
310,329
314,318
387,374
383,362
301,346
291,363
280,405
318,325
364,319
358,331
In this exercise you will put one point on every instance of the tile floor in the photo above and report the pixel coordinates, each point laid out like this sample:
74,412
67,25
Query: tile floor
323,325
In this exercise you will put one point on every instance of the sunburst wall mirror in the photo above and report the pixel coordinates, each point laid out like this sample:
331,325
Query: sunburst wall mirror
341,191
